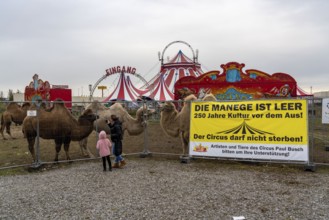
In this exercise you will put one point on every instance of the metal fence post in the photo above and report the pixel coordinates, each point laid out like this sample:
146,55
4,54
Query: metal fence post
187,158
145,152
310,166
37,163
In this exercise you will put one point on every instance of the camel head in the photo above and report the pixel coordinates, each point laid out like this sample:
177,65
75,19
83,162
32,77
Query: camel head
143,113
168,107
168,111
85,125
88,115
26,106
190,98
184,92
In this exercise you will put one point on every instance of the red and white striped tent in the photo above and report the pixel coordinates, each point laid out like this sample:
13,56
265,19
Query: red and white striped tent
161,91
125,90
176,68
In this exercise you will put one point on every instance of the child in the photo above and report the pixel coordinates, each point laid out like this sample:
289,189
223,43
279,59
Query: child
104,146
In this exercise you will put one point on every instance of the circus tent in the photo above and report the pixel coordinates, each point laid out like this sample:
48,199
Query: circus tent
176,68
161,91
125,90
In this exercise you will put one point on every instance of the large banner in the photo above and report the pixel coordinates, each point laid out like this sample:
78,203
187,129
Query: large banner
325,111
263,129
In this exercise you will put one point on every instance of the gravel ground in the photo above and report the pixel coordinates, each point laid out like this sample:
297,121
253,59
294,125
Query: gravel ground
157,188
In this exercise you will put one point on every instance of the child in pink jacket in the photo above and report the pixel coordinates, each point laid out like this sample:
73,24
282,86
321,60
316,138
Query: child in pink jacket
104,146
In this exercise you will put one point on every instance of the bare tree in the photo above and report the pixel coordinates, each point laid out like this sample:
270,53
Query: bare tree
10,95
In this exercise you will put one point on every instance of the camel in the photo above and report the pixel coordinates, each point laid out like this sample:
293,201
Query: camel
58,123
14,113
134,126
175,123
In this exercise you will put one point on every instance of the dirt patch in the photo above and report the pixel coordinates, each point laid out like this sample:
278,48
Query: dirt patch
15,151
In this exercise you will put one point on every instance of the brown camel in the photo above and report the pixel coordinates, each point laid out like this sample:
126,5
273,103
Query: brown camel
176,123
134,126
58,124
14,113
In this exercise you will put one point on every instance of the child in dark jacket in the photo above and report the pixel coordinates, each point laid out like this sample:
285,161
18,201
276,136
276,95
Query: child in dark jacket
104,146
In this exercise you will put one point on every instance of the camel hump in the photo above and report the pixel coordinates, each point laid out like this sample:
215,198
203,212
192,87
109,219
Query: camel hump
96,105
59,102
88,112
118,105
13,105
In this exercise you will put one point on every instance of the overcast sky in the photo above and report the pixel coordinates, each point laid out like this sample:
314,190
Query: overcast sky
72,42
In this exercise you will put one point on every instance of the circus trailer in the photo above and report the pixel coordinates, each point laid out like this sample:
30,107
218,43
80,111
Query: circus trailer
235,84
41,90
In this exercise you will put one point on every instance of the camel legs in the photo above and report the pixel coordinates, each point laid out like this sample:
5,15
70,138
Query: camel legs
66,148
83,145
8,131
2,128
7,126
67,142
84,148
58,146
1,131
185,141
31,141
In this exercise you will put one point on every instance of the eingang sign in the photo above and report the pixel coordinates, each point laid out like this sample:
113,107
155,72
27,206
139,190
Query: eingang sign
262,129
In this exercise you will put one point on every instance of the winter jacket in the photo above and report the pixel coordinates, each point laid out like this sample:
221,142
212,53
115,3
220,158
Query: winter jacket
116,131
116,136
104,145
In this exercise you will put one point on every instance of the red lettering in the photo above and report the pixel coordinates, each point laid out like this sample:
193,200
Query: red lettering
128,69
118,69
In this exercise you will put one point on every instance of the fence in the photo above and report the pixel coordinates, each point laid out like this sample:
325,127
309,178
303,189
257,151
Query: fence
143,135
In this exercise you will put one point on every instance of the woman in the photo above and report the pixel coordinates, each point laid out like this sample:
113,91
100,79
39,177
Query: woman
116,137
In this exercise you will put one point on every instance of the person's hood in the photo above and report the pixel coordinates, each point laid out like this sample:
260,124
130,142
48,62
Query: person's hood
102,135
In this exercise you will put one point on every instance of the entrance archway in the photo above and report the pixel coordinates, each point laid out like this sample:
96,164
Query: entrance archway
113,71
